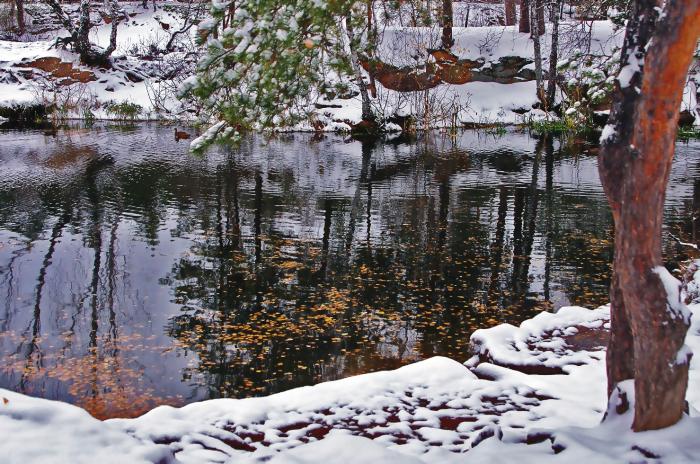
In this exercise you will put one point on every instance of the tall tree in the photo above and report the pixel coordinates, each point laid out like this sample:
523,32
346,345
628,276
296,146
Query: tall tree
354,45
648,319
447,21
509,7
553,55
524,25
538,13
79,38
536,33
19,10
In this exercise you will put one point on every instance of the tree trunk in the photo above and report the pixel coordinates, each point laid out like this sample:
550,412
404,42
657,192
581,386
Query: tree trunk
79,35
447,40
372,39
82,43
537,9
553,56
509,7
114,12
20,16
355,62
539,14
524,16
635,160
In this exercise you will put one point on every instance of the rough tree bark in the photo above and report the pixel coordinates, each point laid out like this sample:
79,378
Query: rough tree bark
538,12
372,40
524,25
553,55
79,34
367,114
536,33
447,40
509,7
648,323
19,10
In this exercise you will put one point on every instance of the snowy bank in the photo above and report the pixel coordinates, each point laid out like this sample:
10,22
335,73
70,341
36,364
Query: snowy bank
145,74
494,409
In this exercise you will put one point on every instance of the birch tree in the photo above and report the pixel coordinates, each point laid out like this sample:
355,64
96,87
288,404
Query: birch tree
553,54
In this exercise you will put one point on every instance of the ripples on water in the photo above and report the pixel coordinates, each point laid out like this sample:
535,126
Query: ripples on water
134,274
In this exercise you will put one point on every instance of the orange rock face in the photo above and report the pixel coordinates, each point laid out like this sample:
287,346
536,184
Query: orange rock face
447,69
63,70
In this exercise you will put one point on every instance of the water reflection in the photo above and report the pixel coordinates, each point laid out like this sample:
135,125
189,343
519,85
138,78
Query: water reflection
134,274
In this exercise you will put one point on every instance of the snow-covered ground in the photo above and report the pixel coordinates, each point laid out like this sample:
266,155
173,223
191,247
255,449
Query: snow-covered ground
532,394
144,78
134,77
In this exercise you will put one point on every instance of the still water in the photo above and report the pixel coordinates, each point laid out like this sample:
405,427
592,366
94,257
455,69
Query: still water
134,274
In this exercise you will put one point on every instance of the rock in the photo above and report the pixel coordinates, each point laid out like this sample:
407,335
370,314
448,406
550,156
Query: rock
507,70
686,118
60,69
406,123
365,127
133,77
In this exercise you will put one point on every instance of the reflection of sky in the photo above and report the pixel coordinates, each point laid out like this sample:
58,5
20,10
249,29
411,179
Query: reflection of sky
156,206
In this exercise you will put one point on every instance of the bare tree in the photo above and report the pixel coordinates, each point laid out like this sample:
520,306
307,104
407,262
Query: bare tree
509,7
553,54
648,320
536,33
538,13
19,10
524,25
190,17
447,40
79,33
367,114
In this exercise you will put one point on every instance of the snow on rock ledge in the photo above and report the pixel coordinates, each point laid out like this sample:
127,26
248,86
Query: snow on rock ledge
35,430
549,343
432,411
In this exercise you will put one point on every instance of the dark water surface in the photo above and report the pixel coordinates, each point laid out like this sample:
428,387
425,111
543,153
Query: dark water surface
134,274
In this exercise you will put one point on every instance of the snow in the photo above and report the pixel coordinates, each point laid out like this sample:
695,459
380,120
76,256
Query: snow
475,103
436,410
134,38
672,286
630,69
608,135
538,342
43,431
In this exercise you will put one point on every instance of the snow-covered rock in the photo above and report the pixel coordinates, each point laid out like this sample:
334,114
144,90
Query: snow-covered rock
436,410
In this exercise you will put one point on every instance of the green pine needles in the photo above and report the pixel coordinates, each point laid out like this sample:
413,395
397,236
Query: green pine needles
266,61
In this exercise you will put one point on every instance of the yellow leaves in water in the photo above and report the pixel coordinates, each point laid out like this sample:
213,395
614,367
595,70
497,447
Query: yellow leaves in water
107,380
290,265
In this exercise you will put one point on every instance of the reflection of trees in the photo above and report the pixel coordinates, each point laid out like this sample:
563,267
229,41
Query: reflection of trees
439,275
66,348
405,261
33,354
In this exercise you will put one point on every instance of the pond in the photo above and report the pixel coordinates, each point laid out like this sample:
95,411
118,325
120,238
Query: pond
133,273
